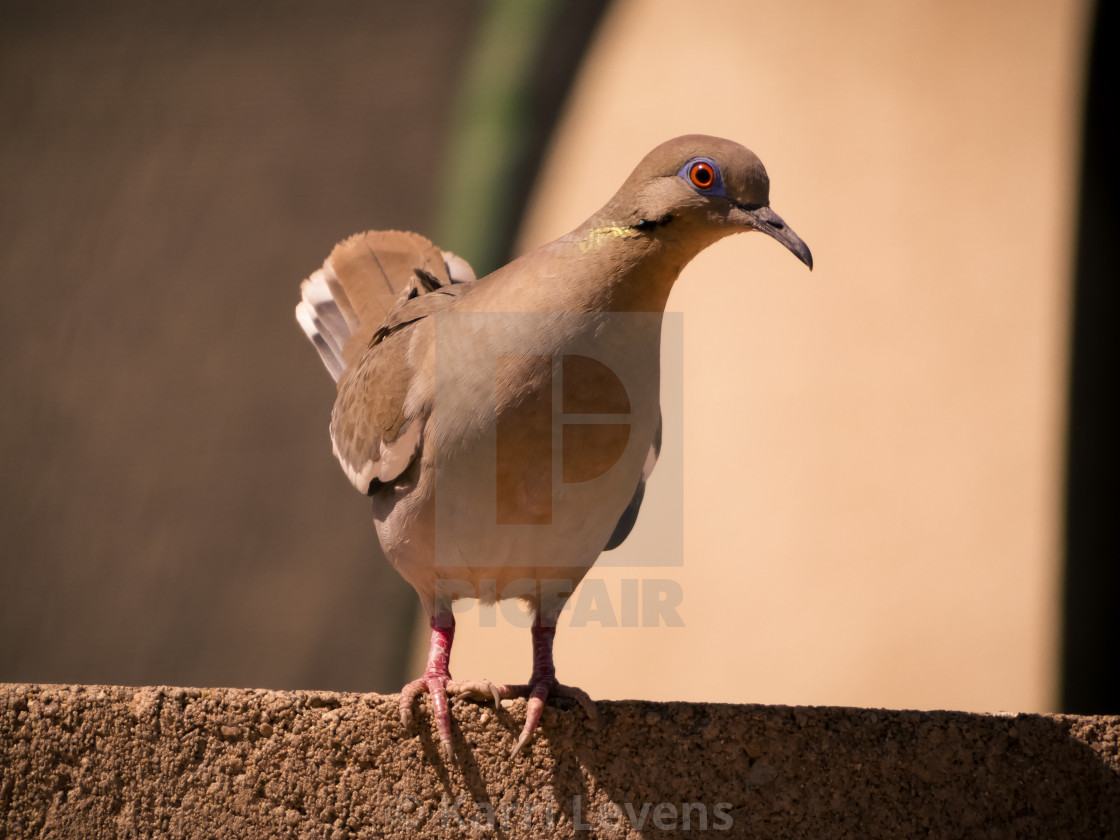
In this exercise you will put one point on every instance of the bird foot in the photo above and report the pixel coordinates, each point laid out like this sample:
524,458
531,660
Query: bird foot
538,692
475,690
438,686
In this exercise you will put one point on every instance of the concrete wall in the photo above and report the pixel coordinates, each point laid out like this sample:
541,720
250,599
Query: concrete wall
108,761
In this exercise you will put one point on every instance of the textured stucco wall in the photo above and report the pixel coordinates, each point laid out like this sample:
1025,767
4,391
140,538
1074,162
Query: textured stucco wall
106,761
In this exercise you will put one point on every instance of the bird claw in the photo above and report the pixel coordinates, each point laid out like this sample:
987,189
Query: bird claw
537,693
522,740
582,698
408,696
476,690
438,687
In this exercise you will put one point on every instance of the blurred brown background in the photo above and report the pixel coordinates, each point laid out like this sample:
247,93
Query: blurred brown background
171,512
889,528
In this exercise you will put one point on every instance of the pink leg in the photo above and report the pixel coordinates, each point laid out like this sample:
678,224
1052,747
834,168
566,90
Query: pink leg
542,684
437,682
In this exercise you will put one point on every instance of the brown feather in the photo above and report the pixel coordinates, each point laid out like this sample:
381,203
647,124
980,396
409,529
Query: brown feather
373,270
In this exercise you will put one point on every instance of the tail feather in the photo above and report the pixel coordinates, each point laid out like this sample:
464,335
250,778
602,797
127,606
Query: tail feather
330,288
322,319
361,282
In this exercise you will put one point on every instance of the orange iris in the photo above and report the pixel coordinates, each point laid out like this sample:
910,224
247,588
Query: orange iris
702,175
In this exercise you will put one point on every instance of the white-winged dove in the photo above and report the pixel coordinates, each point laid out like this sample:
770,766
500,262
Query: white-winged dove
449,389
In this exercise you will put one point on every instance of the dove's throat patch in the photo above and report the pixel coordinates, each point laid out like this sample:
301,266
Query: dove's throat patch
597,236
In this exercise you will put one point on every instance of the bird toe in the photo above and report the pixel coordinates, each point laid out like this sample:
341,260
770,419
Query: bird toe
475,690
581,697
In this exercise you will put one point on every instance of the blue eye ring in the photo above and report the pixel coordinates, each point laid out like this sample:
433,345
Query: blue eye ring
703,175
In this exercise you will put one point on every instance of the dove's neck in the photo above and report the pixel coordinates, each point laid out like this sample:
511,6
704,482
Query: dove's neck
599,267
642,264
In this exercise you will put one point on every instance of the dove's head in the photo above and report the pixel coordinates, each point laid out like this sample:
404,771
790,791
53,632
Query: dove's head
703,188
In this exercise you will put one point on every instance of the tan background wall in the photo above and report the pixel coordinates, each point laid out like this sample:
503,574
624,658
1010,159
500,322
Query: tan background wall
872,485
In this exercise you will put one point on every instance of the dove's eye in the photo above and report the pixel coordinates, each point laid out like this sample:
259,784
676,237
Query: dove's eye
702,174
